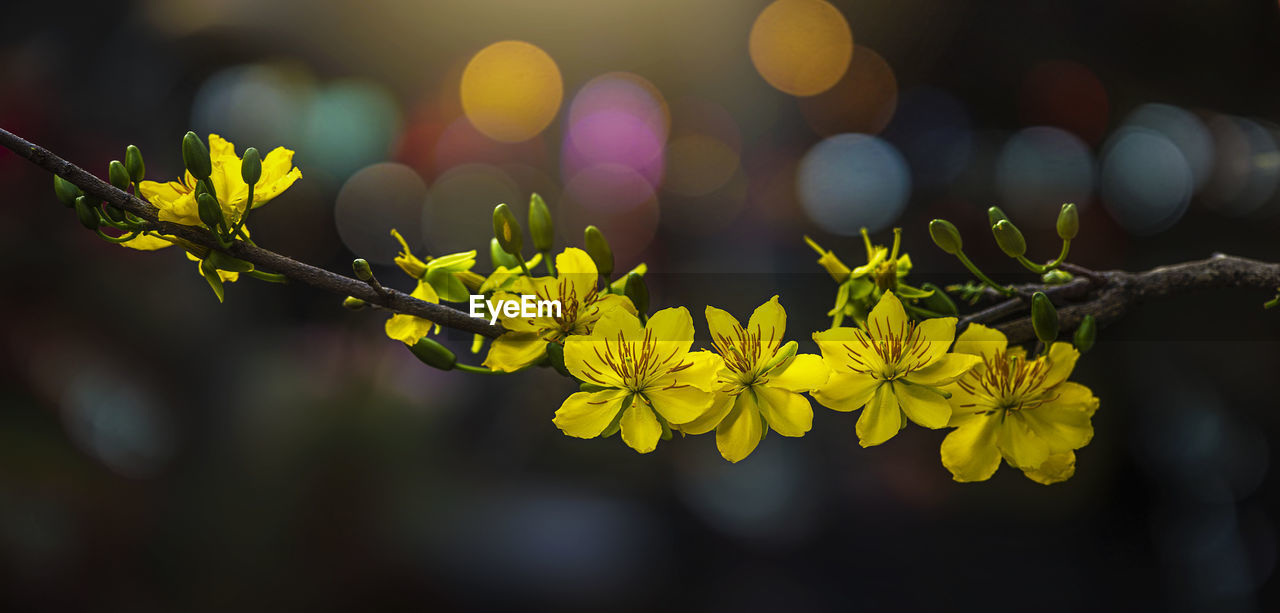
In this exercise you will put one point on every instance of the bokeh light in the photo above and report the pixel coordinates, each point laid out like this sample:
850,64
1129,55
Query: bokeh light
853,180
801,47
349,125
1186,131
863,100
459,211
375,200
704,151
1038,170
511,90
1066,95
274,92
935,133
1245,173
617,118
629,229
1146,182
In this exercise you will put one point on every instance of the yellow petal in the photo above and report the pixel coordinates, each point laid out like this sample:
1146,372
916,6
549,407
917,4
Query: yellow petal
278,173
802,373
711,417
881,419
769,323
407,328
702,371
1019,444
788,413
583,359
970,451
515,350
980,340
721,324
944,370
848,349
847,391
923,406
680,403
576,267
424,291
1064,424
671,325
740,432
887,317
1062,360
640,427
591,312
1059,467
220,147
936,336
147,242
587,414
966,405
618,323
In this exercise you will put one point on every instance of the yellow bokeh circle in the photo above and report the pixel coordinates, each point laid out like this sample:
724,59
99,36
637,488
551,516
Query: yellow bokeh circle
511,90
801,47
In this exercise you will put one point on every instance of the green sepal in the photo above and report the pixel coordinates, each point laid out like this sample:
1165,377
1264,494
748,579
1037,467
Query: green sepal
939,301
914,293
500,258
555,355
211,276
616,424
222,261
446,285
66,191
433,354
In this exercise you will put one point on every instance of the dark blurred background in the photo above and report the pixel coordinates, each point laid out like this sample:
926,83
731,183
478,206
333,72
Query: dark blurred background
159,451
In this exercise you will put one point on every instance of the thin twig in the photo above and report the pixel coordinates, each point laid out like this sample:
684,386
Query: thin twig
261,258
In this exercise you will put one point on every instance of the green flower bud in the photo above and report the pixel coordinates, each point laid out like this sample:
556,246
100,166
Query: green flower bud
210,212
638,292
251,166
1009,238
1056,277
1044,318
433,353
555,356
66,191
945,236
501,258
195,156
117,175
995,216
1068,222
133,163
938,302
87,213
507,230
352,303
1086,333
598,248
362,269
540,227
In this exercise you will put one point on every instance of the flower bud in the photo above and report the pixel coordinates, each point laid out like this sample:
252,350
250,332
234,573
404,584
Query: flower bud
87,213
1068,222
638,292
433,354
210,212
195,156
1056,277
945,236
251,166
540,224
1086,333
501,258
117,175
507,230
598,248
995,216
134,164
66,191
1044,318
352,303
1009,238
938,302
555,356
362,269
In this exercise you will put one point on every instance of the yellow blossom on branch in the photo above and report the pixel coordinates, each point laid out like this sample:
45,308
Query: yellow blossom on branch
640,380
760,384
893,370
1019,409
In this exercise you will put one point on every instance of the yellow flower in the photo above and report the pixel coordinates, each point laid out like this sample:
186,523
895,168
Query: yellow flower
894,368
861,287
643,380
447,277
1021,409
760,382
581,304
176,200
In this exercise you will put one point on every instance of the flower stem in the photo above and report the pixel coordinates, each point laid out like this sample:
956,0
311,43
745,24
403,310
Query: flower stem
964,259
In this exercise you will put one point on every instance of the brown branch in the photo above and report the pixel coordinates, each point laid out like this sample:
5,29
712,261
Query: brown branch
261,258
1111,294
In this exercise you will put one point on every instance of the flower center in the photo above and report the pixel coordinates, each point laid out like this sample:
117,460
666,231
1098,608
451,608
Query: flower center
743,352
637,363
901,350
1012,382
